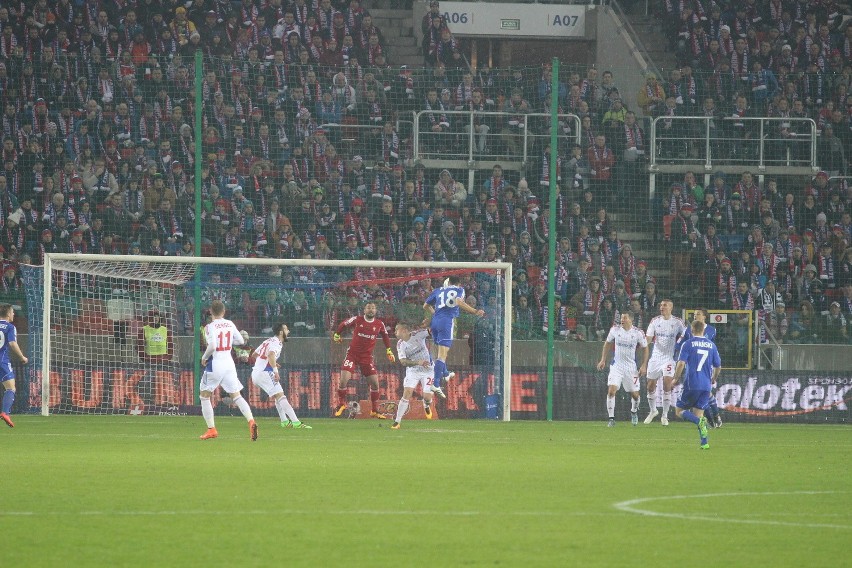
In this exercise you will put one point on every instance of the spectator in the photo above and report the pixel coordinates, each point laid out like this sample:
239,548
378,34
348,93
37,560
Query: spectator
448,192
777,322
834,325
512,132
154,342
601,161
651,97
804,326
684,246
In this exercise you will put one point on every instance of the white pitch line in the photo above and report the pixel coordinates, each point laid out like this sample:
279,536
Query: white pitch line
628,507
363,512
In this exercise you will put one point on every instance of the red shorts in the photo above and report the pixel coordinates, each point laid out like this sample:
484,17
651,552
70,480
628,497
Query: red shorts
365,364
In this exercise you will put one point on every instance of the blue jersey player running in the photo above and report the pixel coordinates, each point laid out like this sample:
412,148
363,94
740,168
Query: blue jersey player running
714,420
702,357
443,305
8,342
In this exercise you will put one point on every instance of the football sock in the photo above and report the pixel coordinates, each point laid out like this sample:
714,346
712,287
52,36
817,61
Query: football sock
8,401
288,409
634,404
427,404
374,400
241,403
440,372
712,407
207,412
610,406
652,402
341,396
689,416
401,409
667,402
281,406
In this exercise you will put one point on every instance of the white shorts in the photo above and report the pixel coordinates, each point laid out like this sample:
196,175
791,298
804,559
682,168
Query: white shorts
627,378
225,378
660,368
423,378
266,381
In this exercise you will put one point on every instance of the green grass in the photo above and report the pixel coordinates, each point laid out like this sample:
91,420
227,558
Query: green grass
144,491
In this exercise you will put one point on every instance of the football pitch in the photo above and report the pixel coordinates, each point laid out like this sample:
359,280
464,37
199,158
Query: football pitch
144,491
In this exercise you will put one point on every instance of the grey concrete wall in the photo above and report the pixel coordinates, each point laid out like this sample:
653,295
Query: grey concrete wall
615,54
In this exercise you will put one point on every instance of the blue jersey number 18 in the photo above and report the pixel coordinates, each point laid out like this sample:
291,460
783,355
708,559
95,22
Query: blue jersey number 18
447,299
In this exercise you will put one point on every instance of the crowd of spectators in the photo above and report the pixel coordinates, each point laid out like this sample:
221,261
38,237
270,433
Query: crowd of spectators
303,156
738,60
777,244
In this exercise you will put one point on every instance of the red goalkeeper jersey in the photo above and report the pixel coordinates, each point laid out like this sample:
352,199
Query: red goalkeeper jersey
364,335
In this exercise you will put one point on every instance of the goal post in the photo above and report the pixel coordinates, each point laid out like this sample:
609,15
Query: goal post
87,311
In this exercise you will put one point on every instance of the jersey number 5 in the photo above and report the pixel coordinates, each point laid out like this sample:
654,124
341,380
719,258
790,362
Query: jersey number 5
447,299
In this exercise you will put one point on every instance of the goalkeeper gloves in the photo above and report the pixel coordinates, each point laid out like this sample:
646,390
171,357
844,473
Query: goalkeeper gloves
336,337
391,358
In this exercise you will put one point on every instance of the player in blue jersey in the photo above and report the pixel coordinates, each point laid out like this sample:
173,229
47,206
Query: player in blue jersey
702,358
443,305
8,342
713,418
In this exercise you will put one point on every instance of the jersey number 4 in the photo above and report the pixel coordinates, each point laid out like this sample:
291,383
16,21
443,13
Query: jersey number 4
447,299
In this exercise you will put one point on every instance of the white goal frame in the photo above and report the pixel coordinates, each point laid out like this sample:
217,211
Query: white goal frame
50,258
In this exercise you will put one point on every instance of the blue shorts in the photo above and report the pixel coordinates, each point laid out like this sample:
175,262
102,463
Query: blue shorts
442,332
693,399
7,373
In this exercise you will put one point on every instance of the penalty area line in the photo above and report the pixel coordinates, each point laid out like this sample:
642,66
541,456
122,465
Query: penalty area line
631,506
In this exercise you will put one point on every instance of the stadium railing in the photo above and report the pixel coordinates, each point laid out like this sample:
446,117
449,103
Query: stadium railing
680,140
457,148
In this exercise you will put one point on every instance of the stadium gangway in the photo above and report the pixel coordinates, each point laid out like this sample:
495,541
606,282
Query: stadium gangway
680,146
457,148
770,354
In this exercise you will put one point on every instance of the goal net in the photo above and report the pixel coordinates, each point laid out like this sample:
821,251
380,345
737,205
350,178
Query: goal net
117,334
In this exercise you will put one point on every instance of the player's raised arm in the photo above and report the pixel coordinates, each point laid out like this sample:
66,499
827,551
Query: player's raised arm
341,327
467,308
385,336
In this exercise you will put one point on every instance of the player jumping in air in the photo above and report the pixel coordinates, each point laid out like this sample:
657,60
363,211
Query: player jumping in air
702,358
622,371
365,330
8,342
443,305
219,369
714,420
664,331
265,375
414,355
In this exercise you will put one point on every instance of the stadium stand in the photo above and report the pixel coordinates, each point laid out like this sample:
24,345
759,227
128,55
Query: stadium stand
318,143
